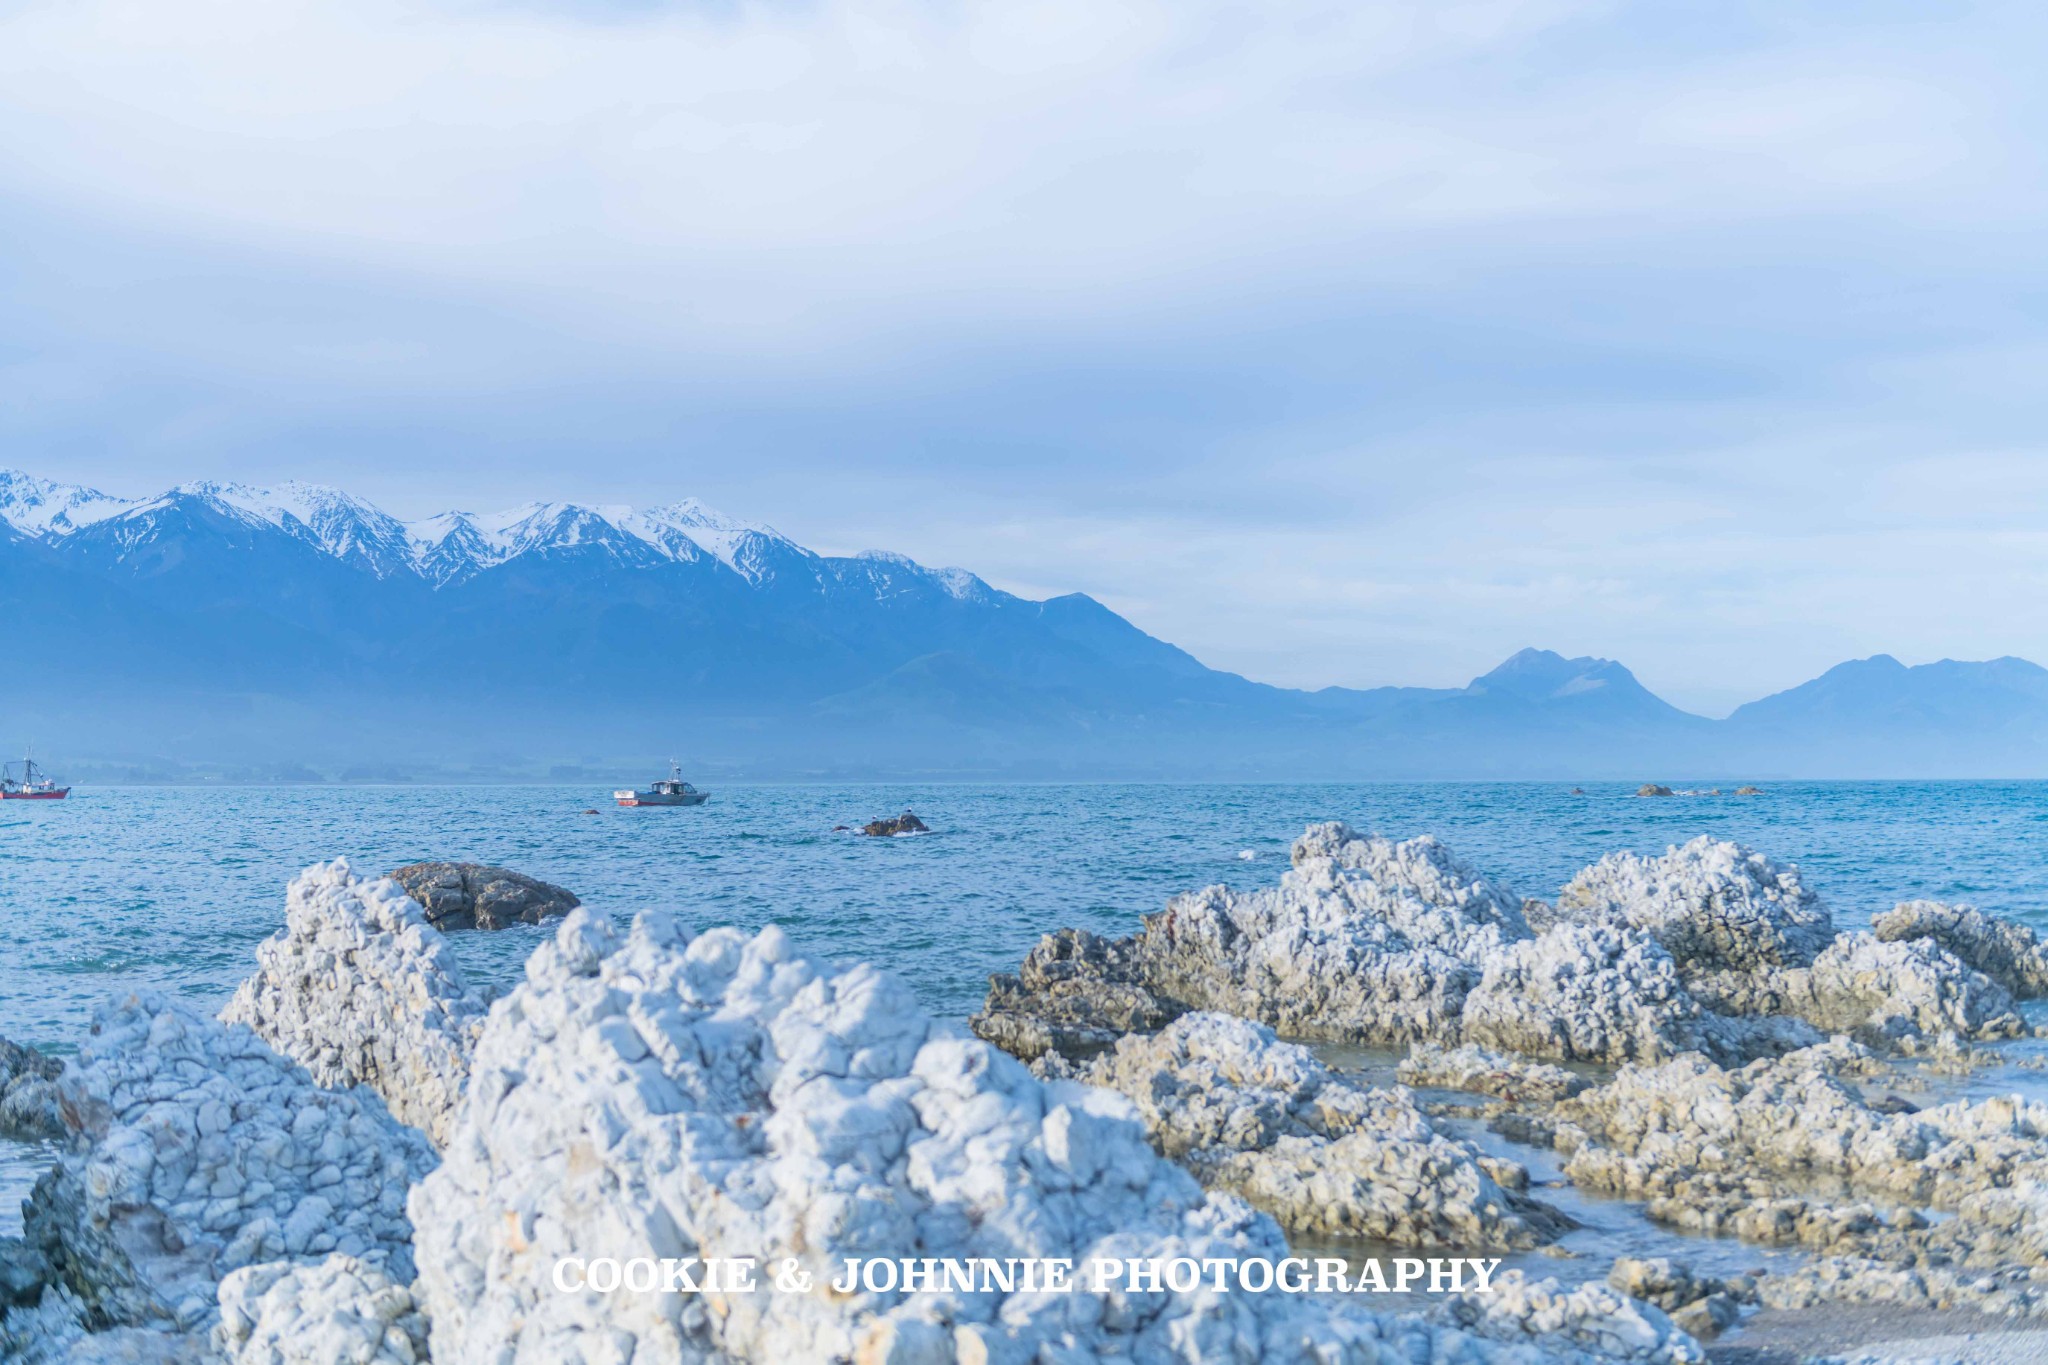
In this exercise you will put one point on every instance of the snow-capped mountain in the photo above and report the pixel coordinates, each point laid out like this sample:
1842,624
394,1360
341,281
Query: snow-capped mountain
442,549
224,623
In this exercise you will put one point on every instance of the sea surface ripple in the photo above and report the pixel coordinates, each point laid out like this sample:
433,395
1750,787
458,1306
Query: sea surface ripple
125,887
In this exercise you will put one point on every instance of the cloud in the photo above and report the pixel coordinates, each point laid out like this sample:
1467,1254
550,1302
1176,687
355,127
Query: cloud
1339,342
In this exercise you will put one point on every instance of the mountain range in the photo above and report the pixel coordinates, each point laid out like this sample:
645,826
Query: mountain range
219,629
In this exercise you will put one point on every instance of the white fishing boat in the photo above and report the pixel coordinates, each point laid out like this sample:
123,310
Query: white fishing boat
669,791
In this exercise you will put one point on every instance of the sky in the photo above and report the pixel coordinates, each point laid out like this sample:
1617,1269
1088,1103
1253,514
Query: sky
1339,343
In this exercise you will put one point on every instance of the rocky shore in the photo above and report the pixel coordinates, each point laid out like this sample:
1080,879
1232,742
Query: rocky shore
362,1159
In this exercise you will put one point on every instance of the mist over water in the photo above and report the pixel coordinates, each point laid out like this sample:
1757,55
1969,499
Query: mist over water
172,888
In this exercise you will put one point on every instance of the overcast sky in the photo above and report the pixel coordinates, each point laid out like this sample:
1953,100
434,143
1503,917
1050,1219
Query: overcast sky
1339,343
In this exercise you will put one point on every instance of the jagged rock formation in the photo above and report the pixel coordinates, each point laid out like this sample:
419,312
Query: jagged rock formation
1708,948
28,1093
1713,905
1264,1119
200,1151
480,896
1075,993
316,1313
1886,994
360,990
2010,954
653,1095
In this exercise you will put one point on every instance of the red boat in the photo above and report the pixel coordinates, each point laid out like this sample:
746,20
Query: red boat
33,784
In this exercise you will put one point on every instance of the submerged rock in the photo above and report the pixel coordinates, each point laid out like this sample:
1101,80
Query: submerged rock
29,1097
480,896
360,990
199,1151
1248,1113
905,823
653,1095
2010,954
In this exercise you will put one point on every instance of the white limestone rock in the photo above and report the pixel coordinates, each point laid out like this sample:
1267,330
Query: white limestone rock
2010,954
315,1313
1713,904
1265,1119
1797,1116
1365,940
360,990
1483,1071
200,1150
1596,1318
1893,995
652,1095
1583,993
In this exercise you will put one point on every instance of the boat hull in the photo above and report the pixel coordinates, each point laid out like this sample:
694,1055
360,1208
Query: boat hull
57,795
696,800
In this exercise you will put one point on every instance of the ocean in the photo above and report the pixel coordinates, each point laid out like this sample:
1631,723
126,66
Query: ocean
172,888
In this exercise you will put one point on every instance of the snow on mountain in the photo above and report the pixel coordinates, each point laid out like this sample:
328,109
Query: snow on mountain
39,507
443,549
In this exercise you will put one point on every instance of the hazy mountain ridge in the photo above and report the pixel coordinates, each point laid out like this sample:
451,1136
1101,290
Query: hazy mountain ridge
220,622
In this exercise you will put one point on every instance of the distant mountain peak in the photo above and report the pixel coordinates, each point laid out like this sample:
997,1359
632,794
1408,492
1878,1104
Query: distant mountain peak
1540,674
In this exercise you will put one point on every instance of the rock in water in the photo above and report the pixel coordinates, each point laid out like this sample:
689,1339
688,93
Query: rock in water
201,1151
1652,789
1265,1119
28,1093
1713,904
1075,993
2010,954
905,823
649,1095
360,990
479,896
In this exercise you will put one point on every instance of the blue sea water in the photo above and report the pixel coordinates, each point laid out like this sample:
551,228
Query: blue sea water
173,887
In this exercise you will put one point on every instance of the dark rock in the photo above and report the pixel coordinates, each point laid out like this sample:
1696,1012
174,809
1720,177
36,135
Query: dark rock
1075,994
478,896
1652,789
1749,791
905,823
24,1270
28,1092
1892,1104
